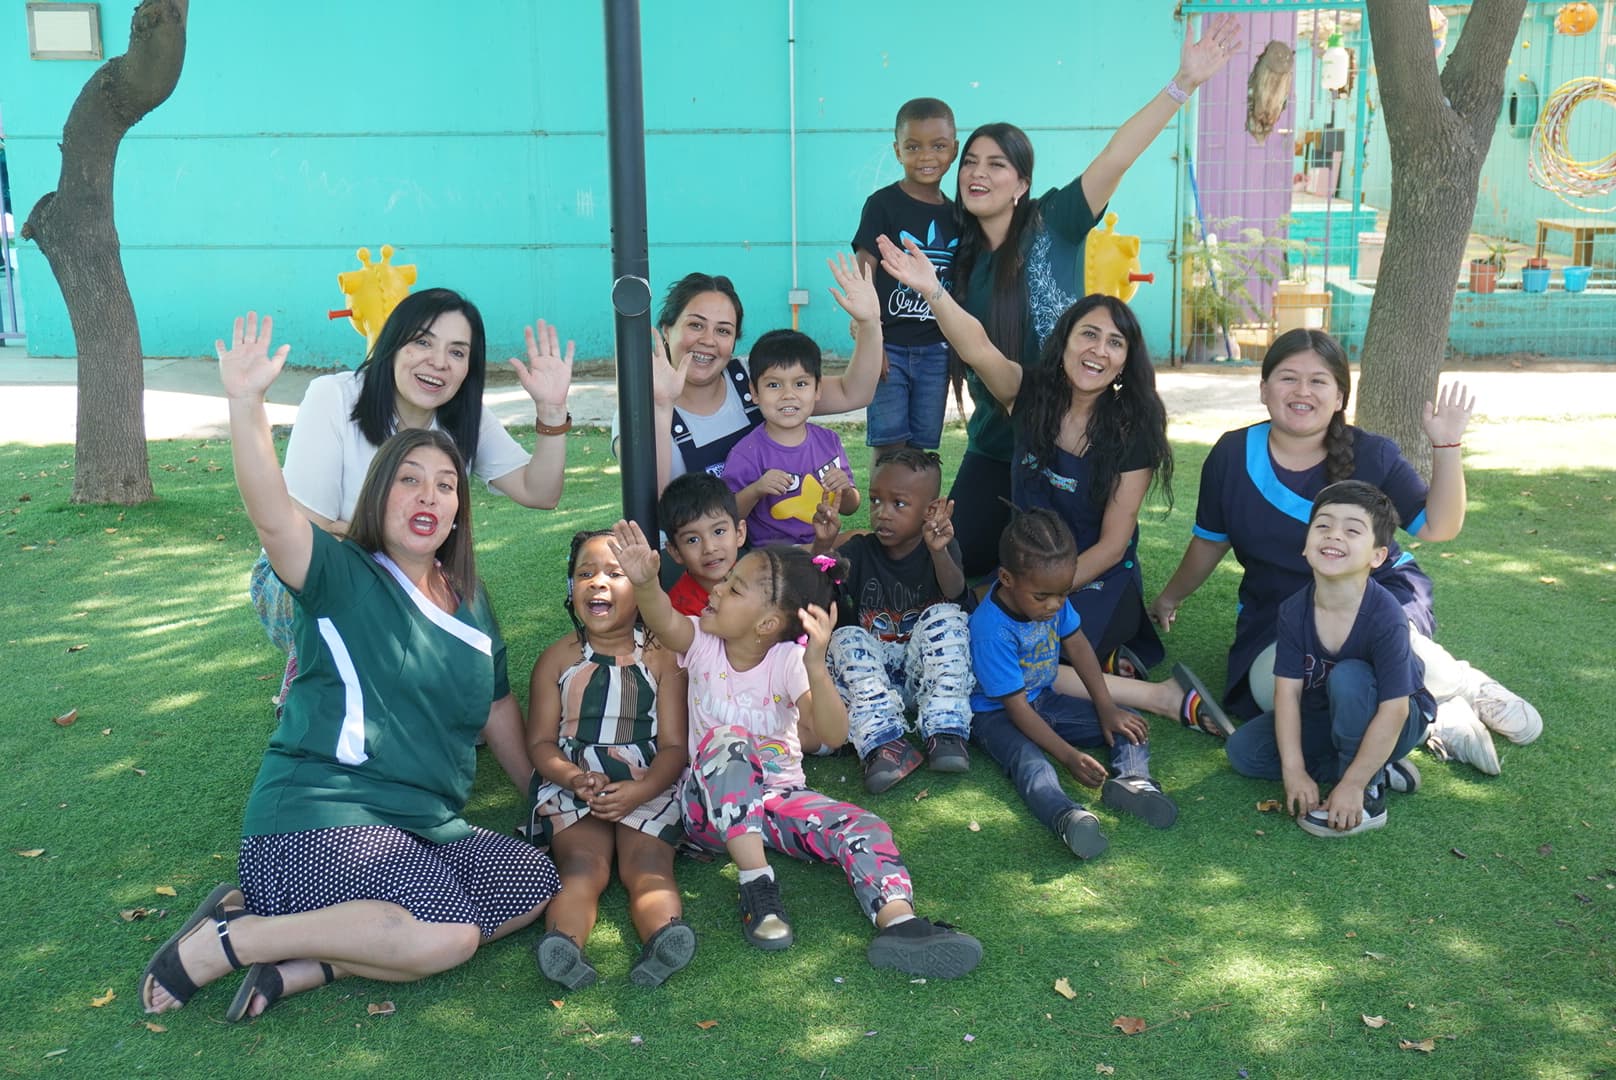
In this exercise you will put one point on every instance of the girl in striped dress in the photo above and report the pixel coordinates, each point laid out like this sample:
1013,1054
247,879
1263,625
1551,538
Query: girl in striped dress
606,732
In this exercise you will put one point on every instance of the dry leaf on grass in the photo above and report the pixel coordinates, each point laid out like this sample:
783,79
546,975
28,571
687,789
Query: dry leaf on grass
1064,989
1424,1046
706,1025
1374,955
974,827
165,890
131,914
1103,1069
32,853
78,648
56,1053
67,718
1373,1021
556,1004
1129,1025
381,1008
155,1028
1456,852
1270,806
925,793
105,999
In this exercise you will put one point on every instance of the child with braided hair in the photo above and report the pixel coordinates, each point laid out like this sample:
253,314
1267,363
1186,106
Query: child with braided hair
760,694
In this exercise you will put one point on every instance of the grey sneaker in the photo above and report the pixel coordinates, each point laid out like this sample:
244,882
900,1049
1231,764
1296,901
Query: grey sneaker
1458,734
924,948
1403,777
1317,822
889,763
1081,831
669,949
763,915
947,753
561,961
1142,797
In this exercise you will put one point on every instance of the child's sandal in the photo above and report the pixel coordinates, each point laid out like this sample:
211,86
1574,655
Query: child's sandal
1200,710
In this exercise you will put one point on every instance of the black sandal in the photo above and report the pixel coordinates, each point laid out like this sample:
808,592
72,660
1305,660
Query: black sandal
165,969
265,979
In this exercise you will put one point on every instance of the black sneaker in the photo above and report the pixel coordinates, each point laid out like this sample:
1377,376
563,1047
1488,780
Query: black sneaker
669,949
889,763
1081,831
921,947
763,916
947,753
1142,797
561,961
1317,822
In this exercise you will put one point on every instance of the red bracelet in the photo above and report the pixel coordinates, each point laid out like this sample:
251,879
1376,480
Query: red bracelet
1446,446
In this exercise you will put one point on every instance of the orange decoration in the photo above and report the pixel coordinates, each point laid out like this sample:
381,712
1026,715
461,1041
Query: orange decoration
1575,20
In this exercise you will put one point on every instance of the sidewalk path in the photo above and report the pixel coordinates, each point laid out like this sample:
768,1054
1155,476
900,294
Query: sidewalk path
39,397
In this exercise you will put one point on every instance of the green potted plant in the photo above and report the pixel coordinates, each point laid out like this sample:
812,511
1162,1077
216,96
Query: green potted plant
1218,270
1486,270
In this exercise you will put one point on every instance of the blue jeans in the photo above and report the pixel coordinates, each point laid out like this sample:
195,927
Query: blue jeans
910,402
1330,738
878,680
1075,721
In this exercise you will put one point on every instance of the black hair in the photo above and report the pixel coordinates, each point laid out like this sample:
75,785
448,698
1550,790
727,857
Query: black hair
691,496
370,511
1383,516
579,539
1338,437
796,579
1007,304
780,349
687,288
913,459
1120,422
376,411
921,108
1035,538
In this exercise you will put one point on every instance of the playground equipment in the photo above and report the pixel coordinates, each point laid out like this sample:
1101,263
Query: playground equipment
1111,263
1551,164
373,292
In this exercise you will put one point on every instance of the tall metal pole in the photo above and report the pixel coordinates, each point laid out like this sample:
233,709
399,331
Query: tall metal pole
631,263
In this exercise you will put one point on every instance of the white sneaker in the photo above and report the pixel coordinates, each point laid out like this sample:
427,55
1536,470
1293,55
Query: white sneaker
1506,712
1403,777
1459,735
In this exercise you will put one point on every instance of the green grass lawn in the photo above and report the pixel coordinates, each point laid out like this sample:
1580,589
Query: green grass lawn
1481,917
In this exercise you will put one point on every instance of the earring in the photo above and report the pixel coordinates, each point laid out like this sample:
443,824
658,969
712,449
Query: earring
453,525
1116,387
1015,201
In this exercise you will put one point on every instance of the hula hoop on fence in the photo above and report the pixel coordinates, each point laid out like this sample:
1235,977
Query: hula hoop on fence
1550,163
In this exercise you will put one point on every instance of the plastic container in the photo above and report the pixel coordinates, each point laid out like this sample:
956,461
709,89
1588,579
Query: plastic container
1535,279
1576,278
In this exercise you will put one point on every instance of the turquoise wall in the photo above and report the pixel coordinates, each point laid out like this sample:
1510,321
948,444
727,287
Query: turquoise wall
475,144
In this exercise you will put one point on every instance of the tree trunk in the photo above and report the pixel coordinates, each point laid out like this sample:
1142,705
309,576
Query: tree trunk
1439,129
74,229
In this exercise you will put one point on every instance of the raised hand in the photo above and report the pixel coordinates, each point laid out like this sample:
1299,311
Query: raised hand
247,367
908,264
857,296
667,381
827,523
1200,60
638,559
1446,420
817,624
938,531
547,375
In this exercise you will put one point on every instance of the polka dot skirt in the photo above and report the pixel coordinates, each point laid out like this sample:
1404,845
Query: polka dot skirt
486,878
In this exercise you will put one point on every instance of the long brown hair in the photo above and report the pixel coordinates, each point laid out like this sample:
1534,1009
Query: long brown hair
370,511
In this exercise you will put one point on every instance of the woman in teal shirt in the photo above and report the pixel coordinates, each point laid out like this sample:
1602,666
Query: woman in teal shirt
355,859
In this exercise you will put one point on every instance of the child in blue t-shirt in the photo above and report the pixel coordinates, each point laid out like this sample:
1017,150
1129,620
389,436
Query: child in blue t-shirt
1018,634
913,393
782,470
1349,693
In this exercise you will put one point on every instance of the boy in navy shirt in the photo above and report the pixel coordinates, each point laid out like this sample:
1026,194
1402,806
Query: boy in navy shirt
913,392
1349,693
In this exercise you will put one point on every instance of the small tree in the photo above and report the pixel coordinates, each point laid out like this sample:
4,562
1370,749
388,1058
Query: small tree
1439,128
74,229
